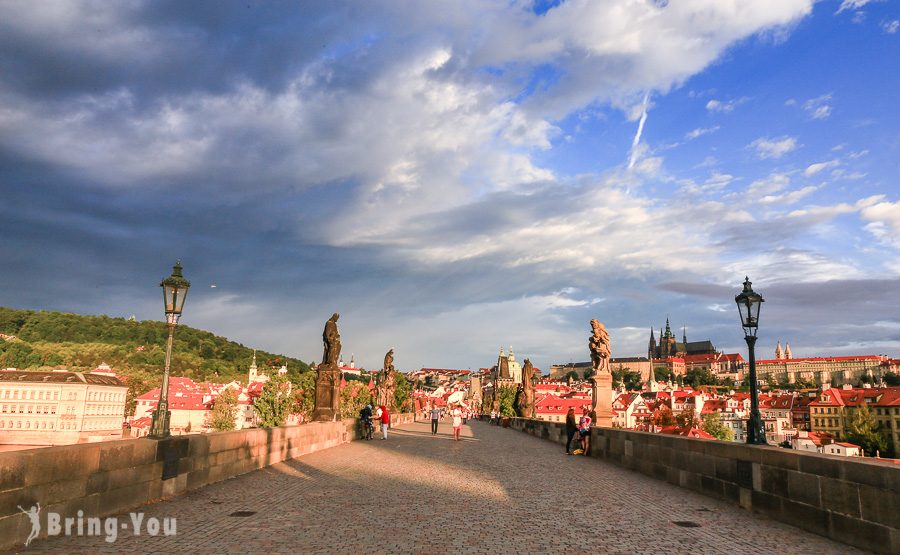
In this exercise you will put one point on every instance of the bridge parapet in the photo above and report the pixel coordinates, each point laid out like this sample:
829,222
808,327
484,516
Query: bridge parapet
112,477
851,500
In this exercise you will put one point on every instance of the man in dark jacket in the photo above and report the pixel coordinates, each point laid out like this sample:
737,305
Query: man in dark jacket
571,428
365,417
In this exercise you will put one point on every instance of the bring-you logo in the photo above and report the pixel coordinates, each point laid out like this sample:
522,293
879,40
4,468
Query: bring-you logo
107,527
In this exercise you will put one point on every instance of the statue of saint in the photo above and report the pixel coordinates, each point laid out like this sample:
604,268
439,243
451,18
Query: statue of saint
600,347
332,340
384,395
525,402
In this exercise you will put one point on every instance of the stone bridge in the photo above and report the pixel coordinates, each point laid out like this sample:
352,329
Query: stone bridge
307,489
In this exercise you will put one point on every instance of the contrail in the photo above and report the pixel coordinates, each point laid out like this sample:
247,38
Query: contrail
640,129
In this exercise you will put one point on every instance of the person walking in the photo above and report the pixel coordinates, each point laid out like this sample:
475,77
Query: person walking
435,418
493,416
584,427
385,421
457,422
571,428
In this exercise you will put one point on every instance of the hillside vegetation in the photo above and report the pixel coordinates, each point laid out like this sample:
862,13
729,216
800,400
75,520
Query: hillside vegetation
46,340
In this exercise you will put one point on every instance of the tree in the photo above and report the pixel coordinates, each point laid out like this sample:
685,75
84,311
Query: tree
589,373
136,388
224,411
892,379
402,393
712,424
304,392
663,417
696,377
187,429
628,378
572,375
353,398
507,400
274,403
862,430
687,418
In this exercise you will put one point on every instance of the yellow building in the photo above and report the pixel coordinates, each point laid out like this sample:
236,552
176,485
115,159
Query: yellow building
832,410
59,408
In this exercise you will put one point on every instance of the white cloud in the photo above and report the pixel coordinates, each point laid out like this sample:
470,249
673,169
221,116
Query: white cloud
790,197
891,27
851,5
700,131
773,148
725,106
771,184
813,169
884,221
819,107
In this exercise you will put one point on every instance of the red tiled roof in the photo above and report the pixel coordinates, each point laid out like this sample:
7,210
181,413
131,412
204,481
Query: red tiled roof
820,359
696,433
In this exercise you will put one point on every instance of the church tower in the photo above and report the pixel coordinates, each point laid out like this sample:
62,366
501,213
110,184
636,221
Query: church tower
651,347
787,351
779,354
253,374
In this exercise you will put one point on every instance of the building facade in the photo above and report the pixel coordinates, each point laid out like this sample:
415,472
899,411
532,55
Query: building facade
60,407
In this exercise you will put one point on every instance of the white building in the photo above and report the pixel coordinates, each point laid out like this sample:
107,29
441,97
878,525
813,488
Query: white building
60,407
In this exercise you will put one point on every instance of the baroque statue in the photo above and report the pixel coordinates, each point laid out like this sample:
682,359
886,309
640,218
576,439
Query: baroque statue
332,340
599,347
525,396
384,394
328,375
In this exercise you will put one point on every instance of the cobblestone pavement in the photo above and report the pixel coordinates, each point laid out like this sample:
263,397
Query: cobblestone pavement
496,491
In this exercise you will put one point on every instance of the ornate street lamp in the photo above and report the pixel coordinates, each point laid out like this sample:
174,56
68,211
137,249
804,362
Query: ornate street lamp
175,289
749,303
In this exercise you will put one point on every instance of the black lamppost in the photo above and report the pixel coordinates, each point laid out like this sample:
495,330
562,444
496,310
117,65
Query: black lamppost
749,303
175,289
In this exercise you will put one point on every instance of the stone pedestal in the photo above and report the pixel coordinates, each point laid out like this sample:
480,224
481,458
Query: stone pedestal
602,399
328,393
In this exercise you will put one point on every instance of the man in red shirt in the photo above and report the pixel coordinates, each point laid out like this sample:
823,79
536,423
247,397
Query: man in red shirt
385,421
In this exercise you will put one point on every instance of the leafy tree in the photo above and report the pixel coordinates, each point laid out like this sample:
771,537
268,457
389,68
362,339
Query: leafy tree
589,373
274,403
402,393
627,377
687,418
304,392
663,417
712,424
862,430
187,429
353,398
136,388
696,377
892,379
224,411
507,400
572,375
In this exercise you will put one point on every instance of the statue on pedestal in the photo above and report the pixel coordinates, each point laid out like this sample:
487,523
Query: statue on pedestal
525,395
384,392
328,375
599,345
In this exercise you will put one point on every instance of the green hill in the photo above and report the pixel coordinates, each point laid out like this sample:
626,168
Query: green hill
136,349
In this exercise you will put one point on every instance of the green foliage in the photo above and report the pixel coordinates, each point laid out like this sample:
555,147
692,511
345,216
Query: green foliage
572,375
663,417
699,376
353,398
862,430
687,418
589,373
892,379
48,339
224,411
712,424
402,393
304,392
274,403
627,377
507,400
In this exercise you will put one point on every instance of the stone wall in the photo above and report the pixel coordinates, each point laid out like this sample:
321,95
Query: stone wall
854,501
112,477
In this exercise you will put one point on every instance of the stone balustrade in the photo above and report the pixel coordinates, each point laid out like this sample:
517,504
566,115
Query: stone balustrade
112,477
851,500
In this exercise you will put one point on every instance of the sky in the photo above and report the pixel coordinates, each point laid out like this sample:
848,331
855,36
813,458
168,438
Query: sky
453,177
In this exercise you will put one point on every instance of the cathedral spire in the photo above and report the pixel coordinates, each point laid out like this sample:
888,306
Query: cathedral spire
779,354
668,329
684,336
787,351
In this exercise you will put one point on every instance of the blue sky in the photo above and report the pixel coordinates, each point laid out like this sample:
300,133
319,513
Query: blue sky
453,177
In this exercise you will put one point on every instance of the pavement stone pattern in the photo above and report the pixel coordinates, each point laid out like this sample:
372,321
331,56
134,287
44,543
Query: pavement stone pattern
496,491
